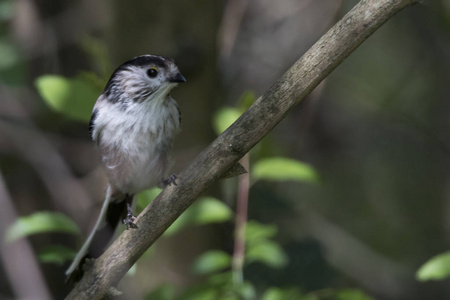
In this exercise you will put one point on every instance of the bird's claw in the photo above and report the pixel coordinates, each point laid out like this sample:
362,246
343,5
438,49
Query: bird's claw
129,220
171,179
129,223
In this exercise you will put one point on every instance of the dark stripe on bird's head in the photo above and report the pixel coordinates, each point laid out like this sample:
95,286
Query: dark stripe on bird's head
145,60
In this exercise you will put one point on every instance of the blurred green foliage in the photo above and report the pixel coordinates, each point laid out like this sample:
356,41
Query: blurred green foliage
227,115
9,54
261,248
72,97
283,294
211,261
224,118
56,254
437,268
205,210
146,197
352,294
163,292
12,67
283,169
40,222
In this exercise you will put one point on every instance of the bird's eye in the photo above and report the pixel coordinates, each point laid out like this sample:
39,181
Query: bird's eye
152,72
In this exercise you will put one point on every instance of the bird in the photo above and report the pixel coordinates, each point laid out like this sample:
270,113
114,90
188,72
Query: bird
133,124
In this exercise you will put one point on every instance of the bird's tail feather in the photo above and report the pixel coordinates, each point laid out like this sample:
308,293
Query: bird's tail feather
100,235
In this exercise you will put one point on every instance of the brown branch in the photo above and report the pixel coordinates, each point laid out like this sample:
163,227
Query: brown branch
355,27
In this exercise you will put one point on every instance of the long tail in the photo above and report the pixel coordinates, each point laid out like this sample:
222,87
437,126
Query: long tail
100,235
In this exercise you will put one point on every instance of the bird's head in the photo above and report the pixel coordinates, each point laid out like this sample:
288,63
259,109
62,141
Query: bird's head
146,77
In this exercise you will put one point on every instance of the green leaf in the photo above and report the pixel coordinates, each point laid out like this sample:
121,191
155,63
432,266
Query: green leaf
282,169
282,294
267,252
247,291
437,268
212,261
162,292
255,232
146,197
13,68
202,292
132,271
71,97
275,293
210,210
56,254
352,294
40,222
221,279
206,210
229,296
9,53
246,100
224,118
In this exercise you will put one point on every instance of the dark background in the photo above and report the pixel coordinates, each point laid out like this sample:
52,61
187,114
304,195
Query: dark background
376,131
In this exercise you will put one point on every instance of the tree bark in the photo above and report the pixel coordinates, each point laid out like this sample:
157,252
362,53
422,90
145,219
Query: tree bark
316,64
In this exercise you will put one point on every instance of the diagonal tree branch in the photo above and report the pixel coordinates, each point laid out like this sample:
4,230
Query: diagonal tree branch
208,167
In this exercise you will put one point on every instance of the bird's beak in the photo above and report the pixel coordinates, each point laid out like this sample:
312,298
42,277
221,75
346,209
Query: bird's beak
177,78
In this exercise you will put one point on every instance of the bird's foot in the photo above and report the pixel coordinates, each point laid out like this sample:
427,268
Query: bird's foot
171,179
129,220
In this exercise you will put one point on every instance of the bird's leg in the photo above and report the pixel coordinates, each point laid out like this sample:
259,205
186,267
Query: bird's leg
129,220
171,179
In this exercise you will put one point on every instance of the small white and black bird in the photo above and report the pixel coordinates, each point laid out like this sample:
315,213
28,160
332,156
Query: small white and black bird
133,124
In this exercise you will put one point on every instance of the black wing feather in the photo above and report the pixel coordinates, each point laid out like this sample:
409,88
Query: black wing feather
91,123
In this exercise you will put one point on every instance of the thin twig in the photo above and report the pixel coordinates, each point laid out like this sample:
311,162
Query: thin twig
229,28
241,223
